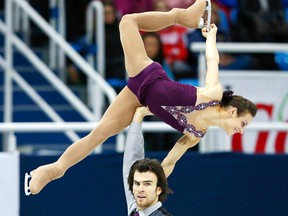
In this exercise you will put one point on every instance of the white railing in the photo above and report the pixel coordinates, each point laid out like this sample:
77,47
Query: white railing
147,127
54,80
47,73
96,37
12,40
243,47
26,127
57,19
95,18
38,99
70,52
200,47
8,95
58,22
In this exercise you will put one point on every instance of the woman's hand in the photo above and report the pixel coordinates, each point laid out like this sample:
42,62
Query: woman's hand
178,150
213,31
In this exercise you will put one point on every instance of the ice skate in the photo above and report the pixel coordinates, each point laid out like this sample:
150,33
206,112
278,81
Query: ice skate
205,21
40,177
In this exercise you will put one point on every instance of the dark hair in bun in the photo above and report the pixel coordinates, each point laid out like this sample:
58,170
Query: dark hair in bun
242,104
227,97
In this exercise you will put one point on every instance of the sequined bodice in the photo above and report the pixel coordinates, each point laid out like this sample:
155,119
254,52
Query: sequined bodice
179,112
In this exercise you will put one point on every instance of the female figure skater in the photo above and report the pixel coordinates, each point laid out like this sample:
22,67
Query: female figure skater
188,109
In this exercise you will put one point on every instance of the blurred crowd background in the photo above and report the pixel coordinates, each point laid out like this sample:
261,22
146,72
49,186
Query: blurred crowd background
238,21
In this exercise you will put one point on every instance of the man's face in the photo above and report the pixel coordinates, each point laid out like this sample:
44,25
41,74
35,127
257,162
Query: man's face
145,190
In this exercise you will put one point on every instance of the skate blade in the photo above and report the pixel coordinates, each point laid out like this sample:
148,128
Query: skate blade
26,184
208,9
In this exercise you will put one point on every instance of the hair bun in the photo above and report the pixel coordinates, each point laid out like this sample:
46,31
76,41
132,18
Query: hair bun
227,97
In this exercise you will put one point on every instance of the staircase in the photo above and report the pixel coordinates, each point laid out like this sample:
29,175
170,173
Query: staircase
25,110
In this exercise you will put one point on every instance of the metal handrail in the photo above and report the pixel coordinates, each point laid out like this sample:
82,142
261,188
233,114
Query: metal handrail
146,126
95,27
58,21
50,76
38,100
242,47
60,41
200,47
152,127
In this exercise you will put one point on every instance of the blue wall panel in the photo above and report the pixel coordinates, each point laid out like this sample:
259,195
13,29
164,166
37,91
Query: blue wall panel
203,184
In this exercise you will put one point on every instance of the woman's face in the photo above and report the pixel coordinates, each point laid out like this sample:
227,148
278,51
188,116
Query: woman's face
152,46
234,123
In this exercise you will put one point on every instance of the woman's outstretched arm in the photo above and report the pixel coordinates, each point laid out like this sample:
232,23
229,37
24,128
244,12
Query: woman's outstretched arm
212,55
182,145
212,60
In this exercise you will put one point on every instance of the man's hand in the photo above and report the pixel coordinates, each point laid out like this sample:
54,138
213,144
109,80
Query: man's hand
140,113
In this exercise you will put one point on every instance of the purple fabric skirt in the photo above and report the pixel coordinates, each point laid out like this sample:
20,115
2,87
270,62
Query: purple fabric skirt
154,89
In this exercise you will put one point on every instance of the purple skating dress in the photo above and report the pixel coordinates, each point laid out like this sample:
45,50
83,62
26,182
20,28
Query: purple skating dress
167,99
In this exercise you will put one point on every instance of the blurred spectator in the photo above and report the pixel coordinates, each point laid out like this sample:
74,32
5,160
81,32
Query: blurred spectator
75,35
132,6
228,61
37,37
75,18
154,49
115,67
226,5
174,44
261,21
114,57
